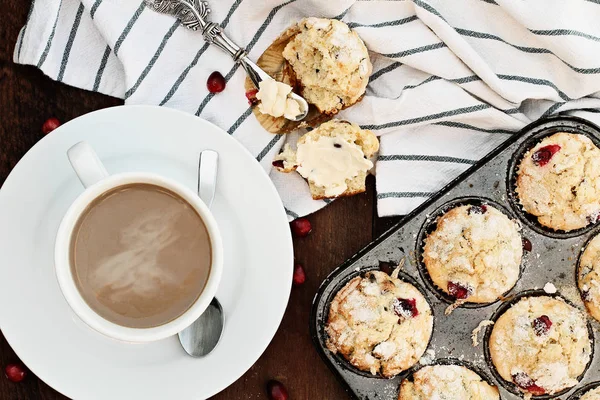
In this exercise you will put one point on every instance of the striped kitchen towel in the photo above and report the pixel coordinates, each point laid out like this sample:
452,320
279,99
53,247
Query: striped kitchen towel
452,79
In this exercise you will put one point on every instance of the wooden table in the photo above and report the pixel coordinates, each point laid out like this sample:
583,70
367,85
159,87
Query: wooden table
28,98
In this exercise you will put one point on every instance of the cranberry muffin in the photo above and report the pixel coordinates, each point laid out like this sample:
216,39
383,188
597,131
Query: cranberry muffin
474,254
541,344
588,277
331,63
448,382
380,324
593,394
558,181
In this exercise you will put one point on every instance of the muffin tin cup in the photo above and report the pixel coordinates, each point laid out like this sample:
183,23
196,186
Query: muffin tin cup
342,362
554,258
536,135
511,387
430,225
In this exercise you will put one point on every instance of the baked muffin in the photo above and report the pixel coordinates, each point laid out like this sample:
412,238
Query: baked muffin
593,394
334,159
558,181
331,63
447,382
588,278
379,324
541,344
474,254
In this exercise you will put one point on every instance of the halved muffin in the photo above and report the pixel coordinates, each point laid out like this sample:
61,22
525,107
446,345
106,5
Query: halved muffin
334,159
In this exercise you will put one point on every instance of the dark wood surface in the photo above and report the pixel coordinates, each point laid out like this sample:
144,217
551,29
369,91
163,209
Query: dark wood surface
28,98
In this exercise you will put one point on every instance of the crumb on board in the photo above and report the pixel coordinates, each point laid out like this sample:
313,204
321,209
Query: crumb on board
550,288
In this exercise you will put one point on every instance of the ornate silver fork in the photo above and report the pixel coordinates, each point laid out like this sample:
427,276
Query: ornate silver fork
193,14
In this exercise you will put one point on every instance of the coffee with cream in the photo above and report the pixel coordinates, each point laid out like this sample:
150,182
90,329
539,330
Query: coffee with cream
140,255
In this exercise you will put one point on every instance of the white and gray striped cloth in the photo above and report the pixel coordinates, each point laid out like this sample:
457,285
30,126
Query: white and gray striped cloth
452,79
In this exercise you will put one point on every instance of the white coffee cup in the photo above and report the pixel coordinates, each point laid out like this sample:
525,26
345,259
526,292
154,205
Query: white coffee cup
96,180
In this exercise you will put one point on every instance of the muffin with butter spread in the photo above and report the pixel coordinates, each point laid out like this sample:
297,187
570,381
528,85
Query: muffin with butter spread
321,59
334,159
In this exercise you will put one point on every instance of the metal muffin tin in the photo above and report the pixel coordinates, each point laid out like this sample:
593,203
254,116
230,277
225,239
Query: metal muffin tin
553,258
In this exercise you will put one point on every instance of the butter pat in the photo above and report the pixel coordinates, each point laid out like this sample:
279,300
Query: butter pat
274,99
328,162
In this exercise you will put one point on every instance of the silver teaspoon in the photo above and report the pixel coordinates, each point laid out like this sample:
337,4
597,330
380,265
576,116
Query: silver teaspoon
193,15
202,336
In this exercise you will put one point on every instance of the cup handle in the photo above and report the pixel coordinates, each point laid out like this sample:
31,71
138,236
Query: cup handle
86,164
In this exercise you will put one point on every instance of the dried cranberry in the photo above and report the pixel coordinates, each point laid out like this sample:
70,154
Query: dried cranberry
15,372
299,275
251,96
276,390
406,308
481,209
278,164
543,155
585,294
459,291
527,246
215,82
522,380
541,325
50,125
386,266
301,227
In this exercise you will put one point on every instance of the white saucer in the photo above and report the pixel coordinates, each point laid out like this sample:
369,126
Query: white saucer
62,350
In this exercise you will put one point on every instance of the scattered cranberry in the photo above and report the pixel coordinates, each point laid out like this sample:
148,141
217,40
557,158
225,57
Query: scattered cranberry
301,227
215,82
299,275
50,125
543,155
405,308
477,209
459,291
276,390
527,246
522,380
15,373
541,325
251,96
278,164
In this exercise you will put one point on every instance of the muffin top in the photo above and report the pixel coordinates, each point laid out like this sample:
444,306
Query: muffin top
558,181
588,278
447,382
541,344
593,394
474,254
379,324
331,63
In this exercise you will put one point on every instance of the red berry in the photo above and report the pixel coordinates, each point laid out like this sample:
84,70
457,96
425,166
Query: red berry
299,275
405,308
50,125
541,325
543,155
276,390
15,373
527,246
477,209
522,380
301,227
278,164
459,291
251,96
216,82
